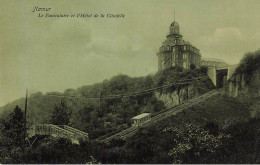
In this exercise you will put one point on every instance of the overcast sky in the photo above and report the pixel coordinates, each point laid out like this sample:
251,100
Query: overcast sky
53,54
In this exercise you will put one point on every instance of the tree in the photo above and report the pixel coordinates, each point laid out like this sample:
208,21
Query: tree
60,115
70,92
14,128
12,136
248,64
204,70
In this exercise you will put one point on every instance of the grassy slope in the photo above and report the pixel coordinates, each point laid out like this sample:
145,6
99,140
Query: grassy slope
219,109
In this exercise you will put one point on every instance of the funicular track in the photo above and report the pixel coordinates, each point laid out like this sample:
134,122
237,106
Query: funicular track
159,117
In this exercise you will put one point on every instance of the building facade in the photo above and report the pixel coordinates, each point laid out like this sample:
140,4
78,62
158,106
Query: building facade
212,62
174,51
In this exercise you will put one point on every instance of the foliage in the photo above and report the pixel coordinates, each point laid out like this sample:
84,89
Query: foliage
192,66
179,79
203,70
12,138
59,115
141,148
248,63
14,128
53,150
194,143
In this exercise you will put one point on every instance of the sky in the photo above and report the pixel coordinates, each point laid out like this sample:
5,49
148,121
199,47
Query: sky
54,54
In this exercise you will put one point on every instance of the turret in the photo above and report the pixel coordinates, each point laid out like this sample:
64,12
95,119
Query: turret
174,28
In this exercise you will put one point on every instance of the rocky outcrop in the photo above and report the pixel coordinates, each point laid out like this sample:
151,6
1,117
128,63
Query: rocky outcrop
243,85
185,93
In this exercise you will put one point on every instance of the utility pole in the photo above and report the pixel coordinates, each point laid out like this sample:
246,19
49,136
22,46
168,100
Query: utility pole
100,95
25,130
25,108
25,115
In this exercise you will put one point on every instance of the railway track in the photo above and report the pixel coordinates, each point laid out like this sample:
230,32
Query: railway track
170,111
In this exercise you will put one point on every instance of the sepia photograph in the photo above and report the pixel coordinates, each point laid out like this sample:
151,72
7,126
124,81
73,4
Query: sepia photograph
130,82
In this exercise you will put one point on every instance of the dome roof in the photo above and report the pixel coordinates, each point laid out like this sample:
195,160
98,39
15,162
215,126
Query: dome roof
186,43
175,24
167,42
174,28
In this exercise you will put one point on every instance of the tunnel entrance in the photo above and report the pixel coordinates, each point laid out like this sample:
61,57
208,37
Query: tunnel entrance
221,77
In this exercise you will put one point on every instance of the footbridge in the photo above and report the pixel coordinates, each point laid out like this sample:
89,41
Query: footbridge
59,131
161,116
220,74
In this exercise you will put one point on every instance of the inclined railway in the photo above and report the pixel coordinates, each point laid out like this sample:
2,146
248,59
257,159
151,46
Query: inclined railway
159,117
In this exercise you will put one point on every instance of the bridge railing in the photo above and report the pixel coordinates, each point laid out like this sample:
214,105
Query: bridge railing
50,129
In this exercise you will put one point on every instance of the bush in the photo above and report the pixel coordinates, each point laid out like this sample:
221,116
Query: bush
203,70
192,66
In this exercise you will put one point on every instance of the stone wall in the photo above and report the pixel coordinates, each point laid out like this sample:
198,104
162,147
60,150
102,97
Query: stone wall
212,74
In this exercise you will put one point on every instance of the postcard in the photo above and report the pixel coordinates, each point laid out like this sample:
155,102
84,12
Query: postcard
129,82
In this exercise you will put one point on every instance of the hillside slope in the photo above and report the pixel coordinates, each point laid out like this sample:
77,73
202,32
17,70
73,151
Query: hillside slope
101,116
211,124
